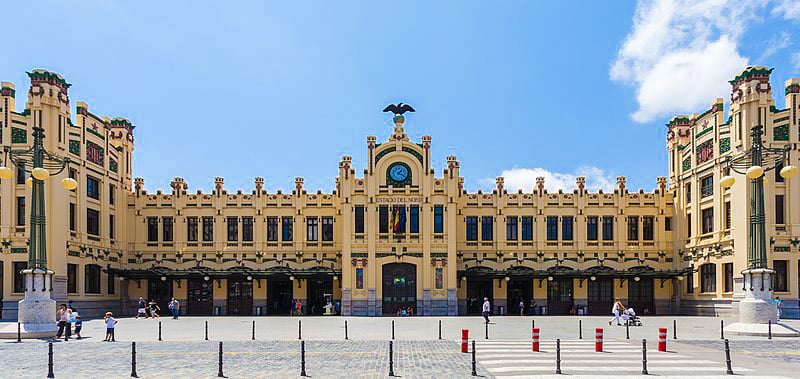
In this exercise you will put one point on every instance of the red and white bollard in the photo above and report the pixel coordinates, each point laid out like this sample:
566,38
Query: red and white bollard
464,340
598,340
535,337
662,339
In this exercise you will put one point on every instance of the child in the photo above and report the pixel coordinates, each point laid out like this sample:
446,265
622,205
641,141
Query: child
78,326
110,324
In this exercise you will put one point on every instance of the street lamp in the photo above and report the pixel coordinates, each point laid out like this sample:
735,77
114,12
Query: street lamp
36,309
757,307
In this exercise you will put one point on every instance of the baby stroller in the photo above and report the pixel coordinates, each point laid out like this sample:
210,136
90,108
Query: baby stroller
630,318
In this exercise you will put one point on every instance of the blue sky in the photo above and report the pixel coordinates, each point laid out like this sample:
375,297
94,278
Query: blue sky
284,89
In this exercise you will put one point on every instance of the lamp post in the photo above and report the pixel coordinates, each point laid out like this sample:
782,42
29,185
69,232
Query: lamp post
757,309
37,310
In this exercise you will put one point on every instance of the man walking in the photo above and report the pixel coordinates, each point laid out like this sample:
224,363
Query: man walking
486,308
174,308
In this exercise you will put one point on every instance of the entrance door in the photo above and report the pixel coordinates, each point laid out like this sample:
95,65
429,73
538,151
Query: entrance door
519,290
317,289
161,292
1,290
279,296
240,297
640,296
399,287
477,289
559,296
201,297
601,296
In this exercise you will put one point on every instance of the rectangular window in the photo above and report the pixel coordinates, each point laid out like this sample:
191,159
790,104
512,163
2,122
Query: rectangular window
72,278
438,278
21,211
72,216
688,225
708,278
608,228
688,193
566,228
781,275
312,228
233,228
247,229
152,229
92,188
19,279
591,228
360,278
166,228
111,227
511,228
208,228
690,283
552,228
633,228
779,210
727,215
648,228
472,228
111,194
707,186
487,228
327,228
191,228
668,224
272,228
413,224
112,285
527,228
708,220
359,219
21,173
91,278
383,219
287,223
438,219
728,283
92,222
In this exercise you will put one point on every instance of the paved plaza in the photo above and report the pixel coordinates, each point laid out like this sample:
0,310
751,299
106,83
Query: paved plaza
418,352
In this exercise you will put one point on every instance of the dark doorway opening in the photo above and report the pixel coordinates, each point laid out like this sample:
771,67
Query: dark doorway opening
1,289
601,296
477,289
640,296
201,297
161,292
317,289
240,297
399,287
279,296
519,290
559,296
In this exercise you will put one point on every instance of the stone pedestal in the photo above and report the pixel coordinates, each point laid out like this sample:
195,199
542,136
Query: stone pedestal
757,310
37,311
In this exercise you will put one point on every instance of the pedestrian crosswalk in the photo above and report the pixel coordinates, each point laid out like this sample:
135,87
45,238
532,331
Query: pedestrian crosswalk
515,359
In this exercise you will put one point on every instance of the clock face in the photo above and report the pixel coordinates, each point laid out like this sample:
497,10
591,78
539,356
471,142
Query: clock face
398,173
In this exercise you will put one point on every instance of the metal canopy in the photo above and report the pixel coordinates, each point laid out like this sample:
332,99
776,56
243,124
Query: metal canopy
195,272
563,272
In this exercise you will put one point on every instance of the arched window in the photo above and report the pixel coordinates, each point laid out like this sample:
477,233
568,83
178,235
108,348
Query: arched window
708,278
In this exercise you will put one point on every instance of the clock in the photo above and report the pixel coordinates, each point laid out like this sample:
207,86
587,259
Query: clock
398,173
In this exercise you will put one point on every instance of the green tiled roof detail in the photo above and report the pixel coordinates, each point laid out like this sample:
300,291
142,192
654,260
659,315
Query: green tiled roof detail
704,131
781,132
687,163
112,165
750,72
48,76
75,147
724,145
19,135
415,154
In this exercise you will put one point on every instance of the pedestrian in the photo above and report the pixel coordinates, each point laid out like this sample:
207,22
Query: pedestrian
111,323
174,308
486,308
154,308
63,316
294,306
299,307
338,307
779,306
140,309
78,326
616,309
533,307
521,307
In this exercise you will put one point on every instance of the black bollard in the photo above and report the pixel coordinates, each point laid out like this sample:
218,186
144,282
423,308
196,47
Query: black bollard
728,358
674,329
722,329
300,329
159,331
558,356
580,329
206,330
219,373
345,329
50,373
769,329
391,360
19,332
627,331
644,357
440,329
392,329
253,337
474,365
303,358
133,360
533,323
487,331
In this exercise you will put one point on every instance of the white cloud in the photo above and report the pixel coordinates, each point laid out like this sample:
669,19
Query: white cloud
525,179
681,53
776,43
789,9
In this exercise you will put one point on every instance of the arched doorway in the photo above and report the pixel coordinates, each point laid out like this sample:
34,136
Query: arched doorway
240,297
479,286
600,291
399,287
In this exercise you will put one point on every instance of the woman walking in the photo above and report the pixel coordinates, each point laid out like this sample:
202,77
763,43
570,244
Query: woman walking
616,310
63,316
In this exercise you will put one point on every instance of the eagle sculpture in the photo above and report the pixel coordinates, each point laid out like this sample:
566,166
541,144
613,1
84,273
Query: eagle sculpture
398,108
